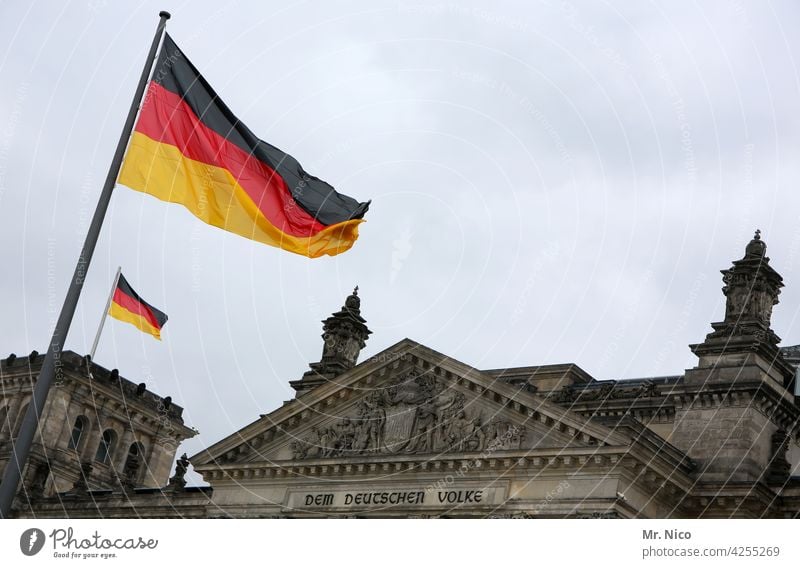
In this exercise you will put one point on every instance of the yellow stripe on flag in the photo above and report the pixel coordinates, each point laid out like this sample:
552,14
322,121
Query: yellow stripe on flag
118,312
213,195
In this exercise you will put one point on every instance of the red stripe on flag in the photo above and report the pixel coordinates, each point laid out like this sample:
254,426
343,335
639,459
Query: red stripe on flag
135,307
166,118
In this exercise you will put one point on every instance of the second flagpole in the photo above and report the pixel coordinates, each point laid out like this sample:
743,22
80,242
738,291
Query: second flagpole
22,447
105,313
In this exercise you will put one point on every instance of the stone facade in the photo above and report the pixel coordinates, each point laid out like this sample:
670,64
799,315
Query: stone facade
99,431
411,432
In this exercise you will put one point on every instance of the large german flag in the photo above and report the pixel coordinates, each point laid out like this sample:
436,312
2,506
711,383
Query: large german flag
189,148
126,305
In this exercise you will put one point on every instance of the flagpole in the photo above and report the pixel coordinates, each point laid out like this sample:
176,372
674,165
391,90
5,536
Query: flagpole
51,366
105,313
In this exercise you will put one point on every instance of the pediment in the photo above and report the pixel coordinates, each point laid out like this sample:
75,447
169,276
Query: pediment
408,400
411,412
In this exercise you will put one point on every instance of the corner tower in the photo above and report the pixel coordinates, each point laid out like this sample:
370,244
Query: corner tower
743,346
738,412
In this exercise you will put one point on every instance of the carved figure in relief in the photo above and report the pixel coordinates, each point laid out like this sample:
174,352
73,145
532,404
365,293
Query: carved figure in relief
427,420
347,434
736,301
466,435
448,422
298,449
503,435
313,444
326,439
372,417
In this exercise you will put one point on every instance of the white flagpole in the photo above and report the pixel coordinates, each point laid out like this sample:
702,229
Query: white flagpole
105,312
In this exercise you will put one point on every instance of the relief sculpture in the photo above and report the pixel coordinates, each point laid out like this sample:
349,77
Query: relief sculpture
416,414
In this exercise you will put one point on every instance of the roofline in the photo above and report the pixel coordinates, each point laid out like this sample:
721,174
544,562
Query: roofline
395,353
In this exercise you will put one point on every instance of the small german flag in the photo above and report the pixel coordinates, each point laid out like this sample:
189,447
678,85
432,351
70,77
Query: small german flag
189,148
126,305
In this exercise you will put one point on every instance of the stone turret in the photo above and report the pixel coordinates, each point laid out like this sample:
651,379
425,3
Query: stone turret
344,335
731,418
92,421
743,346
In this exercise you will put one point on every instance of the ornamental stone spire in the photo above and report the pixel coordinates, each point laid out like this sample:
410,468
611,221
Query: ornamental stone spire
344,335
751,288
741,385
744,339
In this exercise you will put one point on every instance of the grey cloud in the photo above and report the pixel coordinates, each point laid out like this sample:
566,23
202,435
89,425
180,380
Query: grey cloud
551,182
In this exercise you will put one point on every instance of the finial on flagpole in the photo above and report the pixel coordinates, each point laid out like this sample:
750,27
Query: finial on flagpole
164,14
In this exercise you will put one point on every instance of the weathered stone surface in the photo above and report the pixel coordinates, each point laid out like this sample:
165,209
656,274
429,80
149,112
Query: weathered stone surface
102,402
413,433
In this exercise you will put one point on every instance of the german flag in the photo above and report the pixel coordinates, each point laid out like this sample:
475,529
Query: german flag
126,305
189,148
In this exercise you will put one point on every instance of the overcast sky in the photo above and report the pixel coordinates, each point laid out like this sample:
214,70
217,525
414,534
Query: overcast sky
551,182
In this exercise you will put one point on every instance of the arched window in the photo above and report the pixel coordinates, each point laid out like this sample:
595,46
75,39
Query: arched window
133,463
3,418
106,446
77,433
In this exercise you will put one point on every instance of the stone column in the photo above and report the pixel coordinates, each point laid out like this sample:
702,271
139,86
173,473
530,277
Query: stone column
150,462
92,441
159,463
64,429
52,422
96,430
122,451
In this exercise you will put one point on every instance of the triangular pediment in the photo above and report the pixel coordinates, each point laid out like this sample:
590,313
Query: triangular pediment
407,400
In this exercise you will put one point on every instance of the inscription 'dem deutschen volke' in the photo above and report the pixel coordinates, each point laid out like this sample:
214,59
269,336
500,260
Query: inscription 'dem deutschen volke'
389,498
